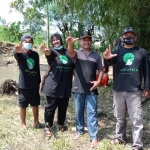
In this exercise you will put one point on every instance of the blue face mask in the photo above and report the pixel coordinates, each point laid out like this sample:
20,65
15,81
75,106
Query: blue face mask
27,46
58,48
128,40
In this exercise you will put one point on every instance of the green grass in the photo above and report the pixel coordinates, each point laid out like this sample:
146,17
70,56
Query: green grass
12,137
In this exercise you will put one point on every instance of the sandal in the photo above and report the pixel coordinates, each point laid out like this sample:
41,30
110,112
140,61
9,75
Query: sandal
39,126
63,128
24,128
118,141
47,132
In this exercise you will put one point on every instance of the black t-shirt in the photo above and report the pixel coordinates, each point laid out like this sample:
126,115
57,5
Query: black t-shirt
59,80
131,66
29,77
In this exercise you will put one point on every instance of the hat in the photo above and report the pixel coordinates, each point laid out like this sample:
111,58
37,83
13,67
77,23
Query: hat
85,34
26,36
128,29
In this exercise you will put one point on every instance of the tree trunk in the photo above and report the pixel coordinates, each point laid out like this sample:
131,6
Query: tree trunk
48,23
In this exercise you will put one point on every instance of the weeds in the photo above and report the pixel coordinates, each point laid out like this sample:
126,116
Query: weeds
12,137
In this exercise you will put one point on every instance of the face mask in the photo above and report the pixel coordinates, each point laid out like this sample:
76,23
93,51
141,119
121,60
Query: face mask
128,40
27,46
58,48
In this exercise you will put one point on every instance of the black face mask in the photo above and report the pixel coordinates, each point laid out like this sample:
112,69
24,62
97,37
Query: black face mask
128,40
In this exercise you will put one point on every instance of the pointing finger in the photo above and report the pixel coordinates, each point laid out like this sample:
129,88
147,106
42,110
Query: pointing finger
110,47
43,43
20,44
70,33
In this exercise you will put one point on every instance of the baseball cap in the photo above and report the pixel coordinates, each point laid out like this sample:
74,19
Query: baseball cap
85,34
128,29
26,36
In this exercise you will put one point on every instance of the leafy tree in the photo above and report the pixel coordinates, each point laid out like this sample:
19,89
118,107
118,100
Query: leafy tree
33,17
13,30
68,21
34,6
108,17
33,21
114,15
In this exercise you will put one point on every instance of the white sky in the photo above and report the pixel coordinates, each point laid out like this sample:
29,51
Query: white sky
15,15
4,12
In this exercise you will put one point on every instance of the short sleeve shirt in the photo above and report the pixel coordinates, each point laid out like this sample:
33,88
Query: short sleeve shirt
86,66
58,83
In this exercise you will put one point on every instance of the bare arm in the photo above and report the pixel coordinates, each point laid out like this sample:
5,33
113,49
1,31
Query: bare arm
97,83
100,75
71,40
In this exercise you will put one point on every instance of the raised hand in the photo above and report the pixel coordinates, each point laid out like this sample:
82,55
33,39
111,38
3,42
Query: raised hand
44,49
107,53
70,39
20,49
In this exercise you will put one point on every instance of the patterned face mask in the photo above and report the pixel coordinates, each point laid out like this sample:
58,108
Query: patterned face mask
128,40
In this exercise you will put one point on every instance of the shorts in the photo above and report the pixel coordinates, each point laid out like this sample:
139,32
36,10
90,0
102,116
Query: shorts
28,96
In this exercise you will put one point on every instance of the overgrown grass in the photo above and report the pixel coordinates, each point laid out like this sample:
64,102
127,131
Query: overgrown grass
12,137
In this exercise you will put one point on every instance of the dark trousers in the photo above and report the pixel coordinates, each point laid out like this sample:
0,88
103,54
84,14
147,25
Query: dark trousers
52,104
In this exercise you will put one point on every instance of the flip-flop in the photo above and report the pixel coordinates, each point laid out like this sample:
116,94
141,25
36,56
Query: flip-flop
39,126
24,128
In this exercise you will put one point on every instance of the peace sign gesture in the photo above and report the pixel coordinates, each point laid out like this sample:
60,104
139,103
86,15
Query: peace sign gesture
107,53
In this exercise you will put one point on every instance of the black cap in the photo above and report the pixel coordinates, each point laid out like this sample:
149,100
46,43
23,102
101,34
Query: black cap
128,29
26,36
85,34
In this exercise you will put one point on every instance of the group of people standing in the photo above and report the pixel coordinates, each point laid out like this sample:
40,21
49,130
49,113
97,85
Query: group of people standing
131,64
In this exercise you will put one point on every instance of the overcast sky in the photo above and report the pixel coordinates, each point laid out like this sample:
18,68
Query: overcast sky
4,12
14,15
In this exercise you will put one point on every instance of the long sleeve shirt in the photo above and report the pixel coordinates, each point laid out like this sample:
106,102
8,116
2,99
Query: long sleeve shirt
132,68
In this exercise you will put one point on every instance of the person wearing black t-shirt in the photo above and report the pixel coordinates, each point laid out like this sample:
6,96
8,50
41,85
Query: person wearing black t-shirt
29,79
58,83
131,66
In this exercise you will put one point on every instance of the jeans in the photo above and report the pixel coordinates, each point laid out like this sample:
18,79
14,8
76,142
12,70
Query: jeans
90,102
